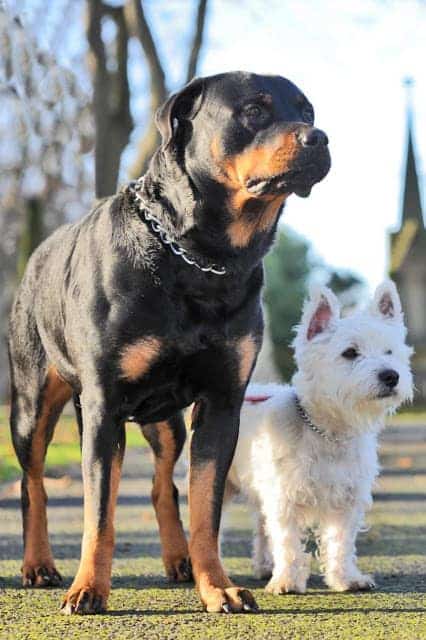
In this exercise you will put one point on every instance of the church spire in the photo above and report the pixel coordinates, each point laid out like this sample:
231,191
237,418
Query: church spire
411,200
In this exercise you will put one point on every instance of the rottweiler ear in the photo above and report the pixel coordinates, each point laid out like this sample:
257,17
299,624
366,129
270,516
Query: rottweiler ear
183,105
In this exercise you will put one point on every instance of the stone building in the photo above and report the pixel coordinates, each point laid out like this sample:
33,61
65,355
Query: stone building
407,264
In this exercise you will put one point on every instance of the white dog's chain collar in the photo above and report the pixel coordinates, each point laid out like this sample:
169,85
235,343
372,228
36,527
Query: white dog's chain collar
306,419
135,188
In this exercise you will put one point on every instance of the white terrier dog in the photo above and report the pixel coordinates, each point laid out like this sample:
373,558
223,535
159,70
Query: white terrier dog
307,454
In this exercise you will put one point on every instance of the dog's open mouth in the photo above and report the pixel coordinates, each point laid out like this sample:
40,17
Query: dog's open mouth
283,181
298,181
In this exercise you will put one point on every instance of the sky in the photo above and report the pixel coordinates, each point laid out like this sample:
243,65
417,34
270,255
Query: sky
349,57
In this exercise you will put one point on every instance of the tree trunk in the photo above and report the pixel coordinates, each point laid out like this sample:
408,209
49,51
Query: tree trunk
31,234
111,96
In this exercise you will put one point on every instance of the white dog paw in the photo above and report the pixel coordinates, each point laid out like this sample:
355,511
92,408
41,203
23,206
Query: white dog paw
278,586
360,582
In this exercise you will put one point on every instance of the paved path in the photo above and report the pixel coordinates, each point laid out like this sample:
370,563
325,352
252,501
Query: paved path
144,605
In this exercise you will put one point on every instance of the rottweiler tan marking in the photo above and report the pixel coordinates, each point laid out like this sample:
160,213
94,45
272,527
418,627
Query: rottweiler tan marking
110,312
167,439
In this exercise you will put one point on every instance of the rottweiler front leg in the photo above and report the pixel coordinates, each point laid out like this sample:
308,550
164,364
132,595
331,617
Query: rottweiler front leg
212,448
103,445
167,439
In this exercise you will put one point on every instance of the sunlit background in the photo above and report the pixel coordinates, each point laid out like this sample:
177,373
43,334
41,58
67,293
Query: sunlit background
350,58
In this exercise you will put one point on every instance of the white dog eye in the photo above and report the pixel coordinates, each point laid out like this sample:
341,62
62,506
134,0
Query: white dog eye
350,354
388,352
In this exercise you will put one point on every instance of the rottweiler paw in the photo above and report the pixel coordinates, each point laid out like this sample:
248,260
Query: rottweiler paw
179,570
40,576
87,600
230,600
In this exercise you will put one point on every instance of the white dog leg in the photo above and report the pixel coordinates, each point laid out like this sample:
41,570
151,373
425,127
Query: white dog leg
338,552
262,557
291,563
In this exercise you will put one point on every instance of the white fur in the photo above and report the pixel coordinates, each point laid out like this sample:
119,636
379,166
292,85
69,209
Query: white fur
297,480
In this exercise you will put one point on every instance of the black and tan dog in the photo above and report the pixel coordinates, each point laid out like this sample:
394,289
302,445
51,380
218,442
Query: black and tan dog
129,324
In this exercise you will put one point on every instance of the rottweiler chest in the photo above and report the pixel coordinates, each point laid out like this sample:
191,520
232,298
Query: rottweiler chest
159,379
184,350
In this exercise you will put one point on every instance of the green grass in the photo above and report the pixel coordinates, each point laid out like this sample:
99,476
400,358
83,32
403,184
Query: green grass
143,605
409,416
173,614
63,451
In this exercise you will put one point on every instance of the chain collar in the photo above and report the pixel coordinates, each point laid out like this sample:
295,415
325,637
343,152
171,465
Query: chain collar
135,188
307,420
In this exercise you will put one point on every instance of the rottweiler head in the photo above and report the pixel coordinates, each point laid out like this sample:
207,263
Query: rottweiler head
244,143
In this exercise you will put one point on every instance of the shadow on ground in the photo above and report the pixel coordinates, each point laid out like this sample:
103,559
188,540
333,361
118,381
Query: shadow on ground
143,604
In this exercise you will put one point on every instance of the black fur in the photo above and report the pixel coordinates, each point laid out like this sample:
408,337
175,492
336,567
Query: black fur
105,282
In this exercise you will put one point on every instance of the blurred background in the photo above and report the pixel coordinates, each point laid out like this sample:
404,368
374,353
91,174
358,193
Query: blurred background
81,79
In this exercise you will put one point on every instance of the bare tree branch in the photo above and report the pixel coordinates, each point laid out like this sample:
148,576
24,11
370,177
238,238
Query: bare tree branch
197,41
158,90
144,34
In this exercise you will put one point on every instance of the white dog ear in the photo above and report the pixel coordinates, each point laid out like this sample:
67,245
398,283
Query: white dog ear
320,312
386,302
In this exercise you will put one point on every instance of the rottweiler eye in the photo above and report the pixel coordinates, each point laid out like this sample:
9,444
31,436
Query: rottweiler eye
350,354
255,111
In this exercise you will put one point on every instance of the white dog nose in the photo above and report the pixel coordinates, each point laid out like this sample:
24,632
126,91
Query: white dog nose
389,377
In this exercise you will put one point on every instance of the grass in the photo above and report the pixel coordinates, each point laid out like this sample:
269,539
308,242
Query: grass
144,605
173,614
410,416
63,451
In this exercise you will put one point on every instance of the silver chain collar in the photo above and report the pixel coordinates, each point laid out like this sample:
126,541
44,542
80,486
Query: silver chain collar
307,420
135,188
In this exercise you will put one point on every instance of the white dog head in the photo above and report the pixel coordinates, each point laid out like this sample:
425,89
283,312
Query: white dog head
359,365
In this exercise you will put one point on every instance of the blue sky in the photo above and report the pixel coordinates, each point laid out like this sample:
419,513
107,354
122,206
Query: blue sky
349,57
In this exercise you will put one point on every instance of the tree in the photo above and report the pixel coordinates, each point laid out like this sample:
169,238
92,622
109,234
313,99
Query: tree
111,94
45,130
111,86
290,267
287,271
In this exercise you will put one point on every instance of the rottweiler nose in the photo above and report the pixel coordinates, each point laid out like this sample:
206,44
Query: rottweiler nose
389,377
311,137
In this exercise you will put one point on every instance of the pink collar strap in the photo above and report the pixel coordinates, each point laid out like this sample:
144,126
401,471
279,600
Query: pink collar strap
256,399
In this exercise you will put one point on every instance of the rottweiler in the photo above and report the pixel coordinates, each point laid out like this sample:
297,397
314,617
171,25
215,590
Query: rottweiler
149,304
